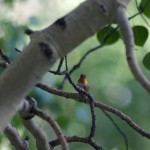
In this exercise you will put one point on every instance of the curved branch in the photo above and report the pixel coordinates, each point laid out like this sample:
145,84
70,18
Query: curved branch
98,104
28,109
91,102
38,133
77,139
25,108
54,125
128,38
15,138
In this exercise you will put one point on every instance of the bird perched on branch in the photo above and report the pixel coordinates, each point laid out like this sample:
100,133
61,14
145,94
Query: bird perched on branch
83,83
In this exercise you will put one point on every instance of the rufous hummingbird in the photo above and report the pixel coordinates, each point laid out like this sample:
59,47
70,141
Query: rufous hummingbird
83,83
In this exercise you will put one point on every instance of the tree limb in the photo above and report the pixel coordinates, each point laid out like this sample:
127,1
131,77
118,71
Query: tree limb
25,111
128,39
55,127
98,104
15,138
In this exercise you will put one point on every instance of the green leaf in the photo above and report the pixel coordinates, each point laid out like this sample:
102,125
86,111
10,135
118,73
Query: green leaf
146,61
140,35
145,7
113,38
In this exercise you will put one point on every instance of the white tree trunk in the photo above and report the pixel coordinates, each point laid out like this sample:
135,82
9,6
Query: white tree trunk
47,45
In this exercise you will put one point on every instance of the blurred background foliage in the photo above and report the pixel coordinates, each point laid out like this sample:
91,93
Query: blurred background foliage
110,79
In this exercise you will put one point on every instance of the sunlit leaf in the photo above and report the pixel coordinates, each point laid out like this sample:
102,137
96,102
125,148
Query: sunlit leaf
145,7
113,37
140,35
146,61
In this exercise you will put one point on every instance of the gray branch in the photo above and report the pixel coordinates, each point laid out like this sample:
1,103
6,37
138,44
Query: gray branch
15,139
32,126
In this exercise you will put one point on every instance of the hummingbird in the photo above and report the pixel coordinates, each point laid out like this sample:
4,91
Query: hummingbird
83,83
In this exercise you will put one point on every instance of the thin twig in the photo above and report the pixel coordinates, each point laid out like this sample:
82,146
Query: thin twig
93,112
58,72
60,64
77,139
54,125
83,92
118,128
98,104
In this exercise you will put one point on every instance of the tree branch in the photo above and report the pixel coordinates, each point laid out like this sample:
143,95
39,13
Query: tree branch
54,125
77,139
25,111
98,104
128,39
15,138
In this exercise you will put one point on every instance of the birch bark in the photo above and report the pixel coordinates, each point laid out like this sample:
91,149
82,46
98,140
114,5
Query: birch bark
49,44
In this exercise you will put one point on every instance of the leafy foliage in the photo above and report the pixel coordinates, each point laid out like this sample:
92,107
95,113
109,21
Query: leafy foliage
140,35
112,39
145,7
146,61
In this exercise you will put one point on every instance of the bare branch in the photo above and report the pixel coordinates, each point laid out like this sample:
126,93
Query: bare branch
54,125
77,139
98,104
128,38
91,102
82,92
25,110
15,138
